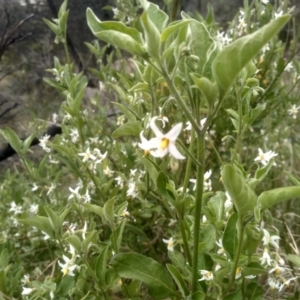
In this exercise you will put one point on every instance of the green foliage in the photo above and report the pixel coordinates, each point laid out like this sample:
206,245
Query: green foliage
150,191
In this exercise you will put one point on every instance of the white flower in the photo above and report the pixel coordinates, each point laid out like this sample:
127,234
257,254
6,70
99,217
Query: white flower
277,270
108,172
43,142
264,158
34,187
27,291
68,267
189,124
145,144
34,208
87,155
131,192
25,279
294,111
228,202
265,2
132,172
74,193
74,135
115,11
125,213
162,118
100,157
206,183
54,117
223,38
206,275
170,244
86,197
266,259
220,245
84,230
162,144
16,209
279,14
267,239
119,181
51,189
274,284
238,273
289,67
51,294
287,283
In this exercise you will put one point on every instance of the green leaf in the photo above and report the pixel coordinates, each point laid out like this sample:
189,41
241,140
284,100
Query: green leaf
211,54
130,128
198,296
52,26
243,197
109,212
270,198
172,28
129,114
162,181
97,25
75,242
201,41
157,16
12,138
4,258
117,34
230,236
178,279
151,167
117,234
65,286
208,89
254,268
177,259
152,36
208,237
295,259
3,282
234,57
147,270
101,264
27,143
236,295
41,223
54,219
254,291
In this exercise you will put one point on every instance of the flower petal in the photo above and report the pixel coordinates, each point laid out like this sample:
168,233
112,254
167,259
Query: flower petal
174,132
174,151
155,129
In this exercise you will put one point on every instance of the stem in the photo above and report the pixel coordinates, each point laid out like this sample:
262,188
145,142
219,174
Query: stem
179,100
185,184
241,228
198,208
175,8
190,155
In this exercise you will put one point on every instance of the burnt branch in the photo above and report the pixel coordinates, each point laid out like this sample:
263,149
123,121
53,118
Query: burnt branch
8,109
8,151
9,38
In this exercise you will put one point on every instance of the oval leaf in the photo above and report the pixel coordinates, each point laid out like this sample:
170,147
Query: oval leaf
234,57
130,128
269,198
147,270
243,197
